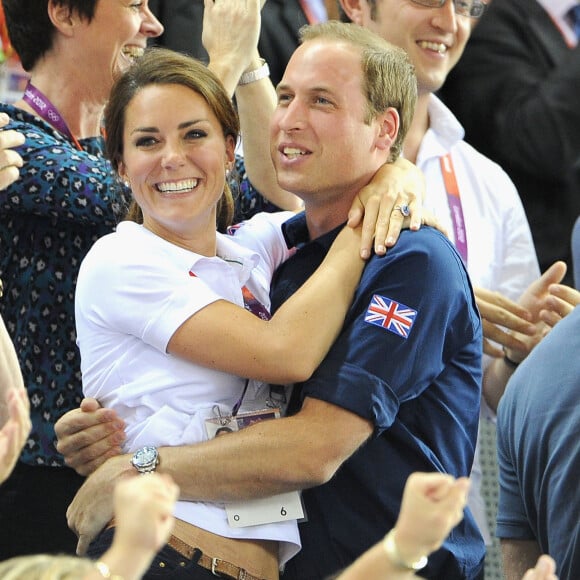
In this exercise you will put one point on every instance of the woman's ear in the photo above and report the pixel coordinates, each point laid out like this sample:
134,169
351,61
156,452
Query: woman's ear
230,150
122,171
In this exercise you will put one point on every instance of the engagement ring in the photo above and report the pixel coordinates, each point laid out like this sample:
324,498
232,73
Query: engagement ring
404,209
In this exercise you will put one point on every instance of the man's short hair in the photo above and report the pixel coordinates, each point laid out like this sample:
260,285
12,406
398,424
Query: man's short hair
388,75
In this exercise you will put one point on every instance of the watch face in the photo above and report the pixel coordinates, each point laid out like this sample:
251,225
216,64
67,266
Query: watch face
145,458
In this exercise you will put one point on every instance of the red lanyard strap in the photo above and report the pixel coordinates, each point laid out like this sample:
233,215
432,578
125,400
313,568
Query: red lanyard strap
454,201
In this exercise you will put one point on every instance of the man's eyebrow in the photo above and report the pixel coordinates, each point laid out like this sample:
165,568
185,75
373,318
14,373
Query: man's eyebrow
312,90
325,90
282,87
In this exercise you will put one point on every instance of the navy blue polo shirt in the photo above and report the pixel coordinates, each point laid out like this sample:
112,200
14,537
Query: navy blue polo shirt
409,360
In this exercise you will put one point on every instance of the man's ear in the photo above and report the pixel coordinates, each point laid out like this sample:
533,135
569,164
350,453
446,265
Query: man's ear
354,10
62,17
388,124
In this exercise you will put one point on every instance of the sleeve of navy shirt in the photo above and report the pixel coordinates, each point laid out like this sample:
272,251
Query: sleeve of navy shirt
410,350
409,360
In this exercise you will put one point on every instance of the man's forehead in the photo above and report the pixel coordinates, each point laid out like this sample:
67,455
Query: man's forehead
322,46
327,59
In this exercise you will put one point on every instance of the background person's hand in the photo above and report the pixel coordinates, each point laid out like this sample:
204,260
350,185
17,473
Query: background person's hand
143,509
559,303
10,161
537,299
92,507
143,522
15,423
501,318
14,432
545,569
231,53
432,506
517,327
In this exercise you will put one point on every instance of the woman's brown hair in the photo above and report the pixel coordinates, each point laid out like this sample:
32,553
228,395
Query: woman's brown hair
165,67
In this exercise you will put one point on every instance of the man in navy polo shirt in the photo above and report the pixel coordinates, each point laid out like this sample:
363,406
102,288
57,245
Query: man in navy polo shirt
399,391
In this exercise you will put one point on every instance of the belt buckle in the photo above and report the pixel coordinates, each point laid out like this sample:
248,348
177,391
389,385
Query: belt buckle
214,563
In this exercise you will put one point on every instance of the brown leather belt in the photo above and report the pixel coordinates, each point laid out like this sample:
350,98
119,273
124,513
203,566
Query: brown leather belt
216,566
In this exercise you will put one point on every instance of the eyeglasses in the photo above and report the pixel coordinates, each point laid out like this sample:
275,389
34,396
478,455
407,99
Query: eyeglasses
471,8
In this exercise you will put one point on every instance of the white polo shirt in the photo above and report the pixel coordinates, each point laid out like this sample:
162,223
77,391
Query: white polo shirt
134,291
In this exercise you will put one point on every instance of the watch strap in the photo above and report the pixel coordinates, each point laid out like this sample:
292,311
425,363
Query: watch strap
255,75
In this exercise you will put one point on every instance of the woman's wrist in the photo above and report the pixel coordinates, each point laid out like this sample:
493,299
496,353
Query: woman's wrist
125,562
105,571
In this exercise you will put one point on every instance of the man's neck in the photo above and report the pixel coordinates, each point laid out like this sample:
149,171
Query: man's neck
322,218
418,128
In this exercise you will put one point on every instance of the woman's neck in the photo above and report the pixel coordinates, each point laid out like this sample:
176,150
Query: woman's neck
79,105
200,239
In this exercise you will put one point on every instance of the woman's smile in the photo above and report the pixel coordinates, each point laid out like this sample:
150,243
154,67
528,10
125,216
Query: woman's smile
180,186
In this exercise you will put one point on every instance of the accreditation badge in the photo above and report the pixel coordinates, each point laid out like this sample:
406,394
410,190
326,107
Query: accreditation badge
267,510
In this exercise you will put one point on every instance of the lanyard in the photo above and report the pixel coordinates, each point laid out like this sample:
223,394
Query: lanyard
454,201
310,12
48,112
251,303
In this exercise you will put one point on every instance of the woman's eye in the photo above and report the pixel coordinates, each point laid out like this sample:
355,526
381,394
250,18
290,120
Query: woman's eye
145,142
196,134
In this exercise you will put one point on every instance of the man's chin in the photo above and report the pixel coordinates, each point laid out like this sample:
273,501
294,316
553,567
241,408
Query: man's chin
295,186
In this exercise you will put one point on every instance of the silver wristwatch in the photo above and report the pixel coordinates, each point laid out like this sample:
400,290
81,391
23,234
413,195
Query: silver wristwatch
146,459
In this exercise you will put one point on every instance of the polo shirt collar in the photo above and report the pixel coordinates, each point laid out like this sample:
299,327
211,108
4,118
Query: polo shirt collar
296,235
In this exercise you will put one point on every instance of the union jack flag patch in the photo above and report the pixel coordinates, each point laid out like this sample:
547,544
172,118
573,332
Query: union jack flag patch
393,316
